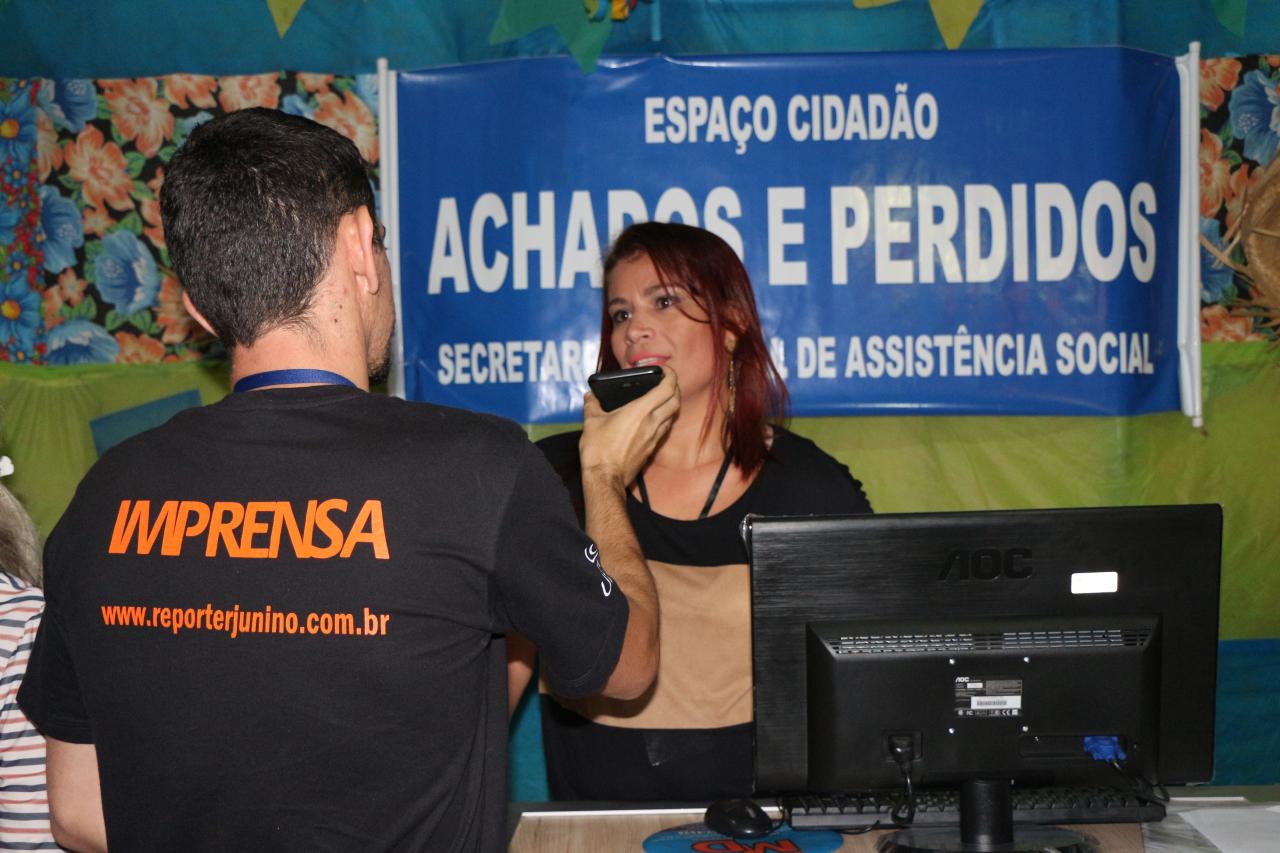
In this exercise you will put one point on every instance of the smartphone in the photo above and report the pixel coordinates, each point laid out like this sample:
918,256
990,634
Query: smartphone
616,388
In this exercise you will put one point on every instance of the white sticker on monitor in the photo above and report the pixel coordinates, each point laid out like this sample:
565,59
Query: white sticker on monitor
988,697
1088,583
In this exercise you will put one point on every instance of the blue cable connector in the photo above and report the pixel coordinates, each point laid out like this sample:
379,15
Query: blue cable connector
1104,747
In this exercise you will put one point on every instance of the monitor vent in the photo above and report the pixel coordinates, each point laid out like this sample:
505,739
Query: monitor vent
978,641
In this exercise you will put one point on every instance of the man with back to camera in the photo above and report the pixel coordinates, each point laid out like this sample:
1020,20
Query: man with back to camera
272,621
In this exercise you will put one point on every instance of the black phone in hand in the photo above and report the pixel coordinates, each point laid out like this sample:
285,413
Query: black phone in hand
615,388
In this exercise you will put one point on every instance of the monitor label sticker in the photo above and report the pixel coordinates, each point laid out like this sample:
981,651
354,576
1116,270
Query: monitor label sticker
988,697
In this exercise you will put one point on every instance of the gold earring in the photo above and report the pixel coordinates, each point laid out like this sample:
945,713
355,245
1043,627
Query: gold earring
733,385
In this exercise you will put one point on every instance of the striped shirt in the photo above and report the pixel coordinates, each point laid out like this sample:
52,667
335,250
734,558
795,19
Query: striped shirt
24,800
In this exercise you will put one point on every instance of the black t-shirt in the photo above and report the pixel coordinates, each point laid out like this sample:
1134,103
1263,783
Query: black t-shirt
277,619
690,737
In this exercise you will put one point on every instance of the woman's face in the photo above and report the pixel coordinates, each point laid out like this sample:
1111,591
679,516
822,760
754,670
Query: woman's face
658,324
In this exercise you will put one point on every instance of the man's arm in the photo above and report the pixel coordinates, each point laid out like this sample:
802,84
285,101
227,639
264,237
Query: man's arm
75,797
521,655
615,447
608,525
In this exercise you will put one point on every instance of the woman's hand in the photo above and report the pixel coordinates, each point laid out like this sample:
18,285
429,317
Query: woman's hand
617,445
614,447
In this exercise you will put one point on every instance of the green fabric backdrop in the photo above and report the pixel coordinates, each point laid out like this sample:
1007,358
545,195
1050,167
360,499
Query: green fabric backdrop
906,463
916,464
46,415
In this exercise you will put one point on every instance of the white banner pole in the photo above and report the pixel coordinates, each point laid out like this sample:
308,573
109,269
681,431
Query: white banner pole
1189,376
389,158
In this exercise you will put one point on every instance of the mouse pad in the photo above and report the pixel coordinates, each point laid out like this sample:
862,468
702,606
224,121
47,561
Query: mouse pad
696,838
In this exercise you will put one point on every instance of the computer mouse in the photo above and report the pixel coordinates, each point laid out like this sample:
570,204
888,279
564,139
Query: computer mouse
738,818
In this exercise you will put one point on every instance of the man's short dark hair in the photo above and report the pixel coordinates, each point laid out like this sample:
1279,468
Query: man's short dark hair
251,205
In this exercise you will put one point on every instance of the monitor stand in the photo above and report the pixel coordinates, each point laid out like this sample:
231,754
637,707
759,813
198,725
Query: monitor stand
986,826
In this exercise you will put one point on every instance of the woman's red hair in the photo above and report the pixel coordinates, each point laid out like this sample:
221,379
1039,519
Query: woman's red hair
707,268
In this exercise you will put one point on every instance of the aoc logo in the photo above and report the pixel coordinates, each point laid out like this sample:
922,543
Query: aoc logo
592,553
985,564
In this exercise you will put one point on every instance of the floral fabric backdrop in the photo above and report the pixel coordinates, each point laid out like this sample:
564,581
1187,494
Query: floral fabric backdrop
1239,135
20,255
86,274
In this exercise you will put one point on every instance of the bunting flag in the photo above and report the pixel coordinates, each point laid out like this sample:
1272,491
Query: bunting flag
617,10
1231,14
283,12
953,17
584,24
583,37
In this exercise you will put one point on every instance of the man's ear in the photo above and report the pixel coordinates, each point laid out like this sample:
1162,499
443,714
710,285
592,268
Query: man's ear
356,234
191,309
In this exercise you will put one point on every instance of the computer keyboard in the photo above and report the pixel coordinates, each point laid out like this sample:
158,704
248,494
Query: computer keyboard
942,808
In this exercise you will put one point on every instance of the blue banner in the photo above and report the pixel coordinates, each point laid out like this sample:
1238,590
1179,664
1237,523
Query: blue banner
960,233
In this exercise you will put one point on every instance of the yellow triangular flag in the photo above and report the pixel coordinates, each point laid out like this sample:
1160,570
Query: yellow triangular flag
283,12
871,4
954,17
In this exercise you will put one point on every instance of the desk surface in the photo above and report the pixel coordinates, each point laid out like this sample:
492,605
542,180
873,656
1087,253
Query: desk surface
592,828
583,832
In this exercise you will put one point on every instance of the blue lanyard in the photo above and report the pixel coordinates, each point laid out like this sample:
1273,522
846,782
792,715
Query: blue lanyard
295,376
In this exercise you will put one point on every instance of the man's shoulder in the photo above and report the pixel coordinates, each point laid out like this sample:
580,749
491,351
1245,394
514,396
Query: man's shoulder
379,427
142,448
476,426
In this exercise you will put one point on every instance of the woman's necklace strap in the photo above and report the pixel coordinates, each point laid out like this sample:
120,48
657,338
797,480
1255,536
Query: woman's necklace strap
711,496
715,488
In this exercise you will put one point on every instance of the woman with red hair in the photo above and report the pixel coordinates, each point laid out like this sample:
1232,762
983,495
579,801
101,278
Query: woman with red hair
678,296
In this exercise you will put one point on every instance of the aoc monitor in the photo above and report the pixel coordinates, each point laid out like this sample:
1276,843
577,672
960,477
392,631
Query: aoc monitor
1044,647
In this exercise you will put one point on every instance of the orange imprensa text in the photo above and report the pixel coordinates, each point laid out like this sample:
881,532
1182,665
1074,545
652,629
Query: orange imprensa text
252,530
